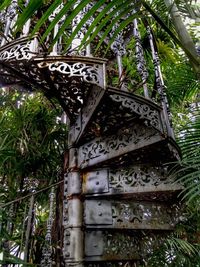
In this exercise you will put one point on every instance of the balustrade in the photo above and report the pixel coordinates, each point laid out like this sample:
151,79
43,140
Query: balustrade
118,47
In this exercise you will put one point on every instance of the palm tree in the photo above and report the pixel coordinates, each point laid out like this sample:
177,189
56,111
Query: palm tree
31,156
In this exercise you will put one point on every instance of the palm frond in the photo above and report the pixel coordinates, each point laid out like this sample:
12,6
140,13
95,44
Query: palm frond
189,174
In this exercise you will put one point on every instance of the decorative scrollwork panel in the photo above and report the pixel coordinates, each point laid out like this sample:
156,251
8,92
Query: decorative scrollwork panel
111,246
127,245
88,72
133,180
137,177
112,264
22,49
127,140
146,112
126,214
95,96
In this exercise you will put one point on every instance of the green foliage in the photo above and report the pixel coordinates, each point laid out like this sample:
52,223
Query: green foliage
32,143
31,154
190,171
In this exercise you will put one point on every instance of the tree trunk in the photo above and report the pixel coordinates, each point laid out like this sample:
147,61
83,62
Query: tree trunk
183,35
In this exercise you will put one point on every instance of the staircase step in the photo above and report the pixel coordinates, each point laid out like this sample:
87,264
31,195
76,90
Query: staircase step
129,214
129,142
125,245
145,182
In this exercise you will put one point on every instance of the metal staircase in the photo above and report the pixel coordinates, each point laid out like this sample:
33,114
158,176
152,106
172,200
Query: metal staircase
119,201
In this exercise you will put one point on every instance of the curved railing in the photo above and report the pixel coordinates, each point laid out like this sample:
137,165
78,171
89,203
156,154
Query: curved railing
75,62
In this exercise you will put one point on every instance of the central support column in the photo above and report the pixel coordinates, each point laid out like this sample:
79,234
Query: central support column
73,210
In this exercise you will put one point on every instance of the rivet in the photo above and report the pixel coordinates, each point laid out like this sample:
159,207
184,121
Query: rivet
95,245
67,254
99,203
100,214
68,242
97,183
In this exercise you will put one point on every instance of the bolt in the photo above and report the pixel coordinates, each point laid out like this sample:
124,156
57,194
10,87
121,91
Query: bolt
67,254
67,233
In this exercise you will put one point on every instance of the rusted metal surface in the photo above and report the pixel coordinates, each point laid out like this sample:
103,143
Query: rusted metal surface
131,180
126,214
106,245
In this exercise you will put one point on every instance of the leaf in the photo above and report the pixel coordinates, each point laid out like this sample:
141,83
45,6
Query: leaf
5,4
27,13
84,20
46,15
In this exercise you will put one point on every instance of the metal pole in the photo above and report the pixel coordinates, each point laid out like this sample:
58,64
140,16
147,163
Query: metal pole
140,60
73,248
160,85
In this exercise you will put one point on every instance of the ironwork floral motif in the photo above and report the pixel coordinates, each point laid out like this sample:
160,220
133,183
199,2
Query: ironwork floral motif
56,12
17,52
119,246
116,145
145,111
47,249
140,60
138,176
118,45
145,215
80,16
89,73
112,264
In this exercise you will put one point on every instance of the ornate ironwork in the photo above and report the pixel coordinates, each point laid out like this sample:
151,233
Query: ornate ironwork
47,249
140,60
87,72
112,245
160,84
126,214
11,10
118,45
17,52
79,36
133,180
138,176
102,149
56,12
91,70
117,145
144,110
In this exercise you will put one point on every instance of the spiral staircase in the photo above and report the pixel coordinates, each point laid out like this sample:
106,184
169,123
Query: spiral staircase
119,201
